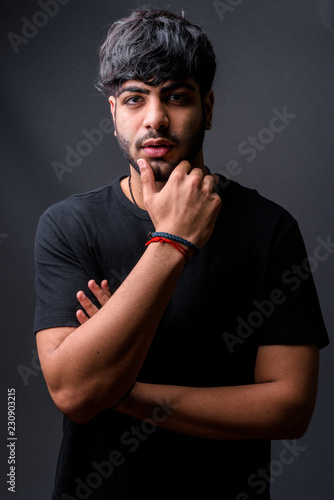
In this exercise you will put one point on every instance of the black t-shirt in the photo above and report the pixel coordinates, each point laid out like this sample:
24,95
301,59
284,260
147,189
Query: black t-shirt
250,285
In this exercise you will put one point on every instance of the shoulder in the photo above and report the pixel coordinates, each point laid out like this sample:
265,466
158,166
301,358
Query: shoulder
80,205
248,198
78,217
248,208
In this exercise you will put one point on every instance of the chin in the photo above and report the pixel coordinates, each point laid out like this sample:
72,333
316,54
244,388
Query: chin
162,169
160,176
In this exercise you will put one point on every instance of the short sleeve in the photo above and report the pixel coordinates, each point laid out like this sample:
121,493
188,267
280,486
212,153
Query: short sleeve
61,271
290,304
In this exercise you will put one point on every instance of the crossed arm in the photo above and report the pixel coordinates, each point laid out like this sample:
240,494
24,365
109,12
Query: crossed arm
278,406
89,369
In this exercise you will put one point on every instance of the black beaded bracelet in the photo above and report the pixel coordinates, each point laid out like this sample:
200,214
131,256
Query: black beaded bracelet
177,239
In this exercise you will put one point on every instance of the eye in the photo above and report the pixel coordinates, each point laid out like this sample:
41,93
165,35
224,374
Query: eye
178,98
132,100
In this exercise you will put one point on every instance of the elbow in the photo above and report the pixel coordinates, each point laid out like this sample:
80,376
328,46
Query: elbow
78,415
81,406
295,422
83,399
293,431
303,412
73,406
300,425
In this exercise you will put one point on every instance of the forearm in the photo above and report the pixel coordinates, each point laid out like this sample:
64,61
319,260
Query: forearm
257,411
100,359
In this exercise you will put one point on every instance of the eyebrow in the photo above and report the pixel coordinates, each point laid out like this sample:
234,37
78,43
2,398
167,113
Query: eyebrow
164,90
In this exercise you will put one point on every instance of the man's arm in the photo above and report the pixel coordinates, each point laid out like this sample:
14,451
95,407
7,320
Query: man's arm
88,369
279,405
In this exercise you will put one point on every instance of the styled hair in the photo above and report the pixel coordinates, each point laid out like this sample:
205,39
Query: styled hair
154,46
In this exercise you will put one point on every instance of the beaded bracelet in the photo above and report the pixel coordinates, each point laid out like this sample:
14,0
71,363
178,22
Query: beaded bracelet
177,239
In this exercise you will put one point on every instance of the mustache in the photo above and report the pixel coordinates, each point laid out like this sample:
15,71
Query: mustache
153,135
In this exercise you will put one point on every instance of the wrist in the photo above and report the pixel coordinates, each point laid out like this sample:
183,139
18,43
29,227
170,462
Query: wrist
185,247
182,250
165,253
189,245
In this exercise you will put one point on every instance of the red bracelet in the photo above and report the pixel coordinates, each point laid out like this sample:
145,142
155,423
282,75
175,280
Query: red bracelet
181,249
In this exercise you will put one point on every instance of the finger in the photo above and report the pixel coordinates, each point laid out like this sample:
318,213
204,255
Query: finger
87,304
98,292
81,317
209,182
105,288
184,166
197,171
147,178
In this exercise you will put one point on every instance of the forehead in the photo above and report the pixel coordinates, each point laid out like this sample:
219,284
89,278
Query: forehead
138,86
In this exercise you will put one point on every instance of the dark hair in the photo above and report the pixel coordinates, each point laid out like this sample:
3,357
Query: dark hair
154,46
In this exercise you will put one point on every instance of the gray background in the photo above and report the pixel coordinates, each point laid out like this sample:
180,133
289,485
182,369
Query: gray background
271,54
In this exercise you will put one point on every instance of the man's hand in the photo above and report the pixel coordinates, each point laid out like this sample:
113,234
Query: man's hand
102,293
187,205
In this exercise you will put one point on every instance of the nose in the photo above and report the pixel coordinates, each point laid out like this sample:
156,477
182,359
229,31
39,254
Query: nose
156,116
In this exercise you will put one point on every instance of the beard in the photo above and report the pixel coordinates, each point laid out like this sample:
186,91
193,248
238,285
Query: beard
162,168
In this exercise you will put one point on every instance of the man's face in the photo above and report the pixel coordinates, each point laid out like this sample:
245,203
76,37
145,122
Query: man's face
164,124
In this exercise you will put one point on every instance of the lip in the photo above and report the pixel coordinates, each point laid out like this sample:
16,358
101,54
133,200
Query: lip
156,148
157,151
156,143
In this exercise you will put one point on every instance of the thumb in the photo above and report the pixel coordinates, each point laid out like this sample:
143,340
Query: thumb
147,178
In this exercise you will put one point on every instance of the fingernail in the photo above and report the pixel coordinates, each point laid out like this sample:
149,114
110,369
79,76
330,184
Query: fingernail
140,163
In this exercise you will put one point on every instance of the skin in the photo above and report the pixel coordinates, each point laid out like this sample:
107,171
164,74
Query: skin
203,412
110,347
174,111
188,127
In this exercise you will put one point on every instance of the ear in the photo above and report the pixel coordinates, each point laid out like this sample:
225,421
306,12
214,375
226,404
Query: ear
112,102
208,102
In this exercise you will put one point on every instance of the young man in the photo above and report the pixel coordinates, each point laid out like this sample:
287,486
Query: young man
175,387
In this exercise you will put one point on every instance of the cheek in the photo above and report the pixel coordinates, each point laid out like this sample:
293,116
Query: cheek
190,127
127,128
191,120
